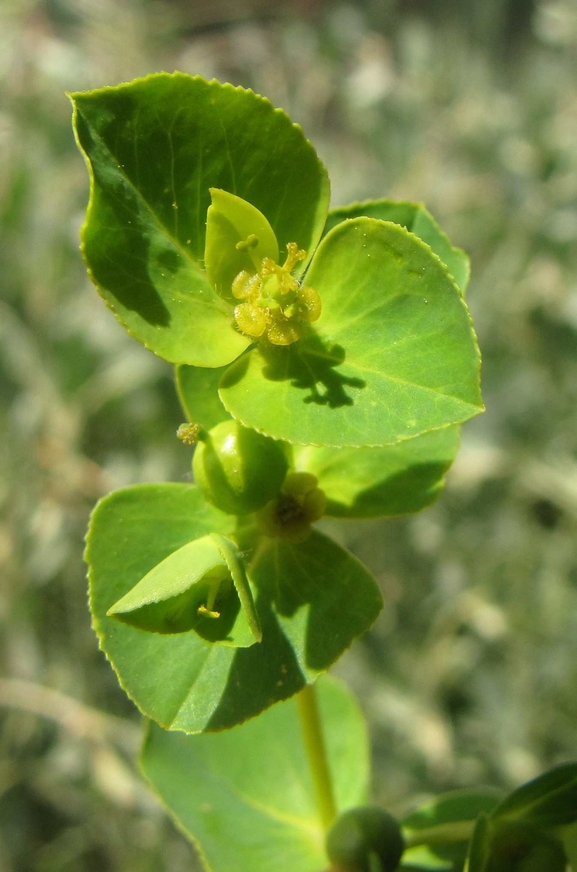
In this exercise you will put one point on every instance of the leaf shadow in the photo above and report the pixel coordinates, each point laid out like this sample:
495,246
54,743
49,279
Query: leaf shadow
309,364
116,241
321,600
400,493
259,676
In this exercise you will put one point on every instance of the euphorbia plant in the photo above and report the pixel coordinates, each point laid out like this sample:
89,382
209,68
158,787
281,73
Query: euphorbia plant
325,361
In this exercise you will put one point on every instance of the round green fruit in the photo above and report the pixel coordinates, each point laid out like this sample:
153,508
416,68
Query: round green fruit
363,839
239,470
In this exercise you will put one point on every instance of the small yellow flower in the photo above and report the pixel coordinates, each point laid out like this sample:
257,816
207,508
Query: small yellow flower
273,302
290,515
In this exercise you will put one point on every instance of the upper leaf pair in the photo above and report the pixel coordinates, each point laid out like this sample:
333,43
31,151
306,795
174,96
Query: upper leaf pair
381,349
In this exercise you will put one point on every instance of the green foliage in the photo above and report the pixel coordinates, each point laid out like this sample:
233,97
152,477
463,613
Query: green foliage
548,801
440,829
377,482
392,356
310,611
415,218
529,830
155,148
500,847
245,795
338,380
202,587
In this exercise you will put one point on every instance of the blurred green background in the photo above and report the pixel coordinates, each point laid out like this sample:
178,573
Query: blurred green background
470,674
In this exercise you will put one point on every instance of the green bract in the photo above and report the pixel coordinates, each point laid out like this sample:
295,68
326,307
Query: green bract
312,599
207,206
237,469
201,586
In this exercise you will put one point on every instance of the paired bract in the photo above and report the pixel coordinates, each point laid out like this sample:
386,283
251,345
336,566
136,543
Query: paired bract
325,361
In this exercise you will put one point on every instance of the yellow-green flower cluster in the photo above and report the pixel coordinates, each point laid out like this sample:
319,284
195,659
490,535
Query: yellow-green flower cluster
273,302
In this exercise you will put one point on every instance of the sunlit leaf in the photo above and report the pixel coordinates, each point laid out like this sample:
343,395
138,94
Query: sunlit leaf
198,393
245,796
392,356
154,148
323,596
415,218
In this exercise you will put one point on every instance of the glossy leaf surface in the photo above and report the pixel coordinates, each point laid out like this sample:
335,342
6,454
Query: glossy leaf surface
375,482
392,356
184,682
547,801
245,796
177,595
419,221
154,148
457,809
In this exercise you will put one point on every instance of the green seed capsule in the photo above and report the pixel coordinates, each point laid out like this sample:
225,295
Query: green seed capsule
239,470
365,839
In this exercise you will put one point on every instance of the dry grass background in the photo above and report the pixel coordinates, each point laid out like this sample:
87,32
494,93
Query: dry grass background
469,676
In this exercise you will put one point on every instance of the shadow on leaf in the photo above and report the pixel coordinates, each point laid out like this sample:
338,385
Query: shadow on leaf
309,364
259,676
117,245
323,597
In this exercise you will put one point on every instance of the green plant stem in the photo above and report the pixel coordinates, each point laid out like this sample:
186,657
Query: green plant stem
459,831
316,753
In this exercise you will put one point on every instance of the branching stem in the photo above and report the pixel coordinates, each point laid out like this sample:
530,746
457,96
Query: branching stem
316,753
457,831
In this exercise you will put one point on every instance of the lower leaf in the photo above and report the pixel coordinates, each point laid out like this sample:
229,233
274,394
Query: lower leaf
245,796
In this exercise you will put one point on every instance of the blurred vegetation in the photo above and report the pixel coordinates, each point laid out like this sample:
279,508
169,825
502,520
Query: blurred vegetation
469,676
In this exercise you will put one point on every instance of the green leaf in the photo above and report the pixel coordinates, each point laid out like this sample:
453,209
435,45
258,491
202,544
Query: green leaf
547,801
373,482
415,218
441,829
392,356
197,388
238,237
154,148
479,855
245,796
183,681
323,597
202,587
